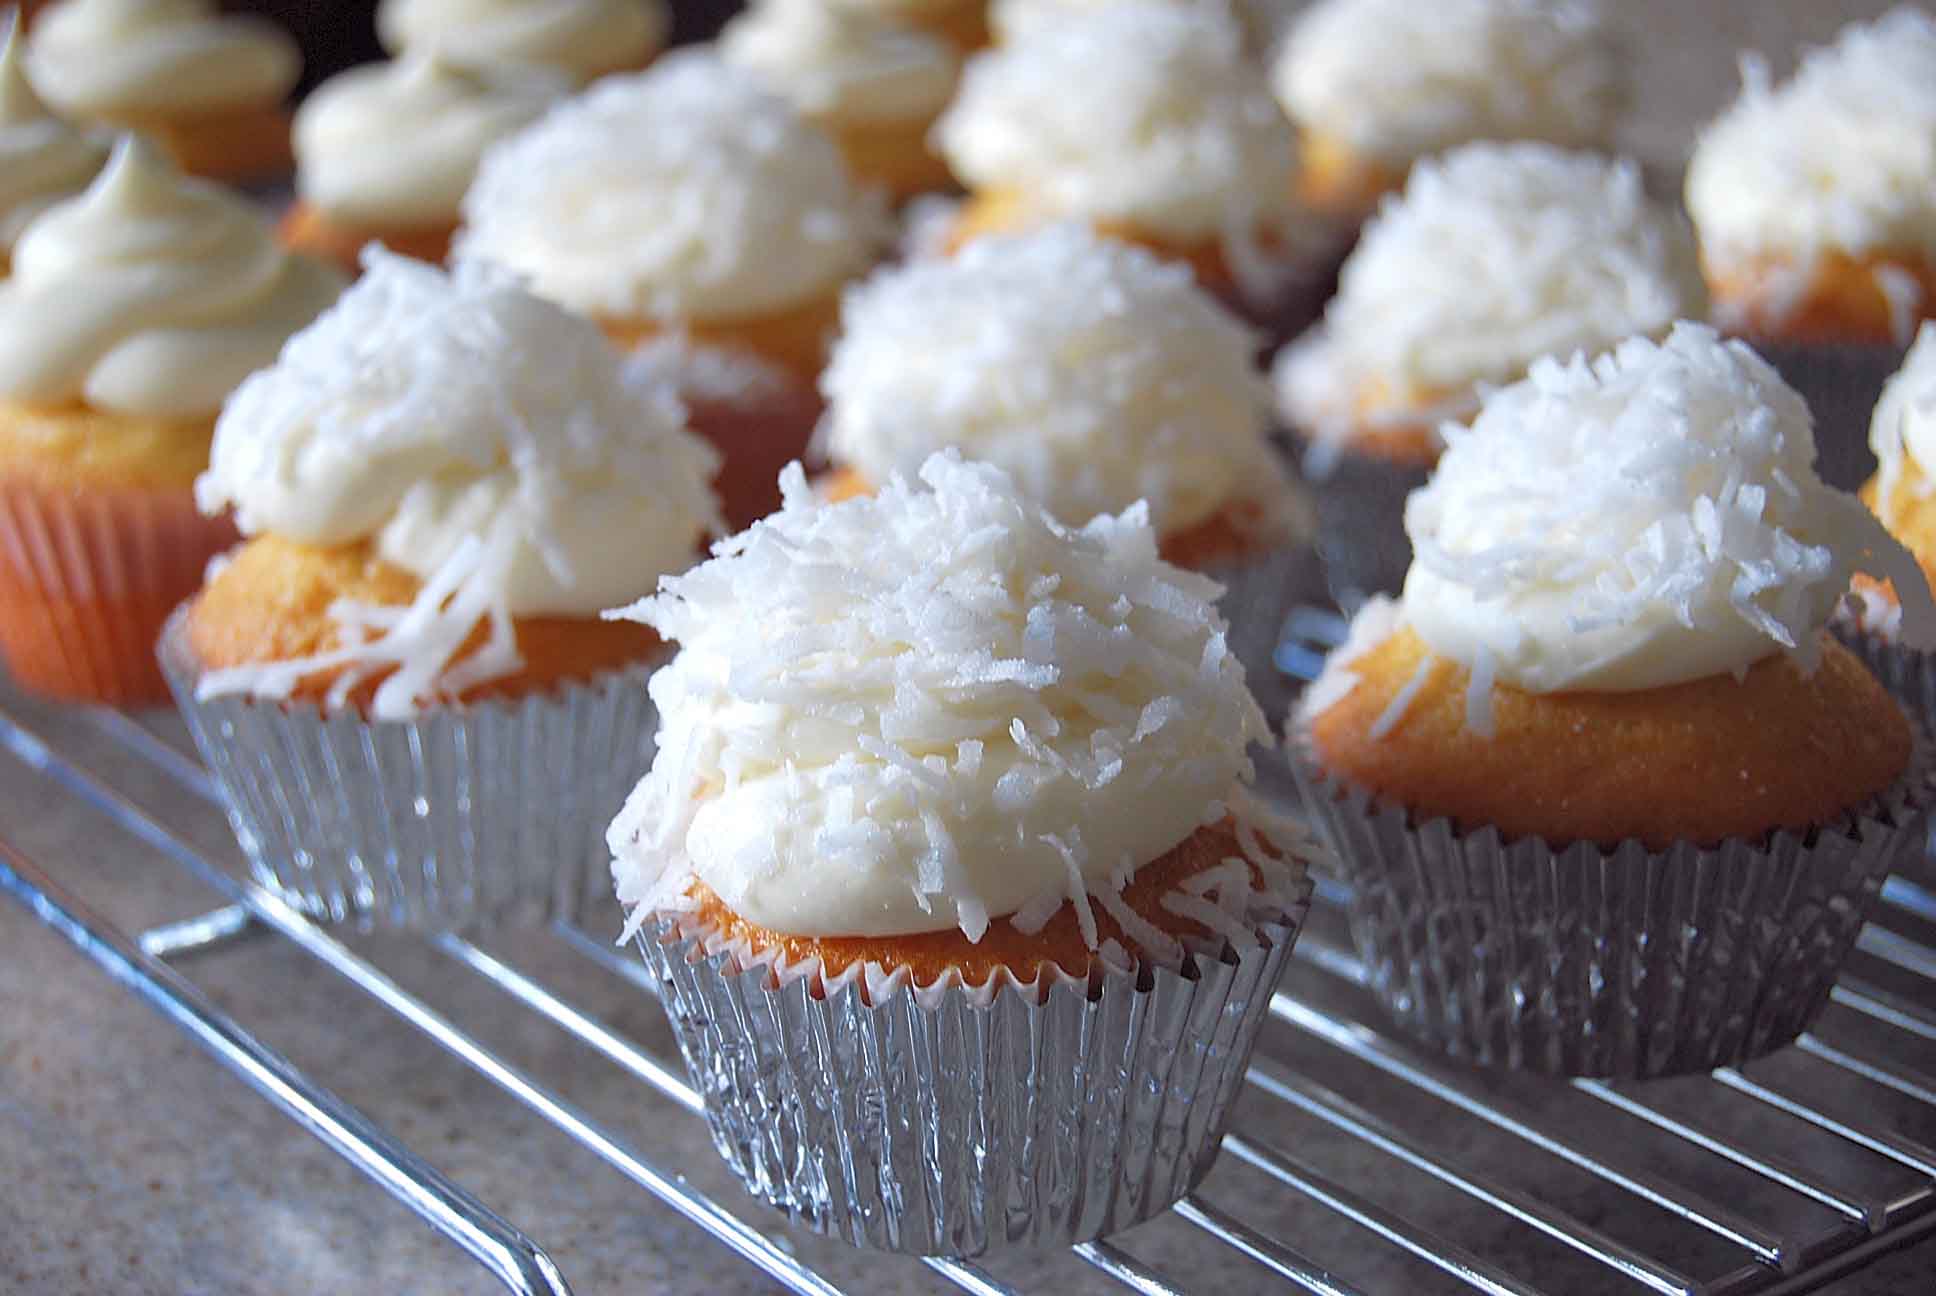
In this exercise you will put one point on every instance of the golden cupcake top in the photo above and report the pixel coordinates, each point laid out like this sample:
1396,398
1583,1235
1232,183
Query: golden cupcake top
1091,372
1630,523
125,60
840,66
149,294
1841,157
42,158
1397,80
1145,113
930,708
1493,256
584,38
359,168
687,192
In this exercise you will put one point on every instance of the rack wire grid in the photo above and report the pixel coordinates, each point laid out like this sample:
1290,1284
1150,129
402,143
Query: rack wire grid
1355,1163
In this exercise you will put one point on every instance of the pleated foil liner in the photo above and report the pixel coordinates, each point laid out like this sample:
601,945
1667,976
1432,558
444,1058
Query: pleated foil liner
956,1120
463,816
1623,964
1841,384
1910,676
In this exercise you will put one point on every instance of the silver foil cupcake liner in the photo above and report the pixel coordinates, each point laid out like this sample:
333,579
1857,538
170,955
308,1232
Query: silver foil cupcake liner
1910,676
464,815
1841,383
955,1120
1623,963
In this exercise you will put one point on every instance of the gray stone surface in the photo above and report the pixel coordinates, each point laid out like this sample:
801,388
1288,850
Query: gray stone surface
130,1162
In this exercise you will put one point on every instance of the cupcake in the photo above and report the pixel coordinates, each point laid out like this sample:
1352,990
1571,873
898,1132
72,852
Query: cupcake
1816,200
956,794
1610,799
1015,20
1494,255
963,23
42,158
690,208
208,89
359,179
1096,376
874,86
584,39
132,312
1374,86
444,481
1173,144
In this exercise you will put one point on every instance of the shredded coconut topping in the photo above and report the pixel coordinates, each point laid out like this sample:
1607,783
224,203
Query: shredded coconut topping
481,438
1093,373
927,709
1903,431
1644,519
685,192
1843,156
1142,111
1495,255
1397,80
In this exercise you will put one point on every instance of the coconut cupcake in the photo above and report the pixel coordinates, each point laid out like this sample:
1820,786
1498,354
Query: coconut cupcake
444,480
874,86
1014,20
1653,800
584,39
933,766
208,89
42,158
1376,85
359,179
132,312
1173,144
1096,376
690,208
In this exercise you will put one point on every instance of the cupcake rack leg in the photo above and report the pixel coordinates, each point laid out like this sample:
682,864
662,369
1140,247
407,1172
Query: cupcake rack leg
1879,1039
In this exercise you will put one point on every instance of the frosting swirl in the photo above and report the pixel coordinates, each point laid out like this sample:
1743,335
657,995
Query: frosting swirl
686,192
1090,371
1397,80
1902,431
122,60
1841,157
1173,129
929,708
358,168
842,68
150,293
585,38
1645,519
42,158
1493,256
481,438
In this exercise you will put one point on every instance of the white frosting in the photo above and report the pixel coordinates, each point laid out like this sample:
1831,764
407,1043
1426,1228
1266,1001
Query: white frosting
1016,20
686,192
582,37
42,158
1396,80
1142,112
1902,432
1645,519
1093,373
150,293
128,59
929,708
483,439
1493,256
360,168
839,68
1841,157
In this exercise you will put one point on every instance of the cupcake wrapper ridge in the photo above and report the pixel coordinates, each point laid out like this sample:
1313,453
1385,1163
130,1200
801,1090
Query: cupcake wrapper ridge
1623,963
465,815
951,1119
1910,676
87,579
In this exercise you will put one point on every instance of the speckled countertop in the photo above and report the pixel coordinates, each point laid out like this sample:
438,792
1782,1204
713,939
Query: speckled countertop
131,1162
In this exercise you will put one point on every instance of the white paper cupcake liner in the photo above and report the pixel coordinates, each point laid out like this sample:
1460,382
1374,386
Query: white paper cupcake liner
1624,963
1841,384
955,1120
465,815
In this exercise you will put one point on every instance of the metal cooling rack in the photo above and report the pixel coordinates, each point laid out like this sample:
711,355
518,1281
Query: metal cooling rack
1353,1164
